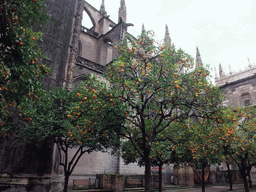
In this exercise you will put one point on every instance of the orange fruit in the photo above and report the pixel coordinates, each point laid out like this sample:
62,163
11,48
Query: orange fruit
32,62
33,38
20,43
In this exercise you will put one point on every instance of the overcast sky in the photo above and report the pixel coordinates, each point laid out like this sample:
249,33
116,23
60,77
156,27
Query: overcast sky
223,30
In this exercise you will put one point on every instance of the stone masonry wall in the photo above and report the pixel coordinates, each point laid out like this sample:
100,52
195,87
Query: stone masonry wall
95,163
236,94
89,47
130,169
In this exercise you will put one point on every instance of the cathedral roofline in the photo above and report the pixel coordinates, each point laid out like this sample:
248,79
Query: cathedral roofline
235,77
237,81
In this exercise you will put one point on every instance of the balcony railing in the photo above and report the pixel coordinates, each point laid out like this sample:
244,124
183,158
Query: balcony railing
90,64
89,31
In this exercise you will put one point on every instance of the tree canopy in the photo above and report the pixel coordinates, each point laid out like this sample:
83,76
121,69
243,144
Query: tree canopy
21,64
81,119
160,90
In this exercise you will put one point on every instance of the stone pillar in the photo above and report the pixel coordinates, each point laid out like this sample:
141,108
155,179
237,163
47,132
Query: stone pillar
189,178
155,181
118,185
184,175
75,40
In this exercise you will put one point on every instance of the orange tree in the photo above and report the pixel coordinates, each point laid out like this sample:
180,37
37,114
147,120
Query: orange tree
20,58
199,150
79,119
234,136
156,85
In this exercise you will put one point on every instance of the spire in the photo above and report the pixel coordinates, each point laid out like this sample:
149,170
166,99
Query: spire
220,70
198,59
250,65
215,72
142,30
167,38
230,71
102,8
143,27
122,12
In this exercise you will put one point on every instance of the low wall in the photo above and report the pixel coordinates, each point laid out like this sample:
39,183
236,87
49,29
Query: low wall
112,182
222,176
27,183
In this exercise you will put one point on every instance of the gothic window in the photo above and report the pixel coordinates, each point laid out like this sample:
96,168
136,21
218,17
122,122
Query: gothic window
245,98
247,102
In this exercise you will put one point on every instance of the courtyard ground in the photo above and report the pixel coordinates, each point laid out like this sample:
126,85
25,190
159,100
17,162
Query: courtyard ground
181,188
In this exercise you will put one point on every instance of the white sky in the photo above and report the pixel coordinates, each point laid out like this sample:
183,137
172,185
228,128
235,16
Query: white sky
223,30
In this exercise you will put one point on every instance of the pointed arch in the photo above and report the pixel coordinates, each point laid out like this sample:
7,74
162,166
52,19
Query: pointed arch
88,20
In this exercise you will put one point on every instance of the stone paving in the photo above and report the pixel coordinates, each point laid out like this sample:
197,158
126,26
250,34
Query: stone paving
179,188
236,187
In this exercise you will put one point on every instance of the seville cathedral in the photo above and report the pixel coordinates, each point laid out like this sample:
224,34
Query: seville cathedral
72,51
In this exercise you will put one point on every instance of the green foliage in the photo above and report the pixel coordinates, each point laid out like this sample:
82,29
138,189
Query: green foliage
20,60
234,135
160,90
161,93
81,117
162,153
230,139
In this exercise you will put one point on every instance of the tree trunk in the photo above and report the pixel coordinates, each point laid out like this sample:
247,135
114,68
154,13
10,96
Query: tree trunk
160,177
67,174
246,187
244,175
203,185
229,178
147,174
249,176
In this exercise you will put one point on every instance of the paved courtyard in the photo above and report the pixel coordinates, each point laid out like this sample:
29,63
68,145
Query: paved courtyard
236,187
179,188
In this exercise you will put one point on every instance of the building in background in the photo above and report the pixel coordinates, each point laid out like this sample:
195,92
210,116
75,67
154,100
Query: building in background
239,89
